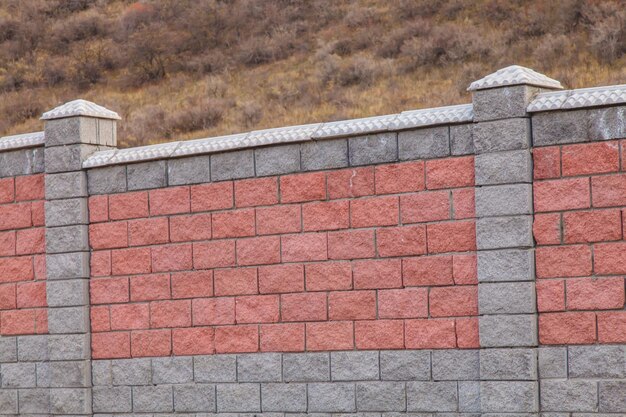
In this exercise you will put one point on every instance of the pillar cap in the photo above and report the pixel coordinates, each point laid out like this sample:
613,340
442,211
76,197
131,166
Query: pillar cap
80,108
514,75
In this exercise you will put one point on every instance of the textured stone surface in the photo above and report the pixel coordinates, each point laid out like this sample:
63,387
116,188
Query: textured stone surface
568,395
66,212
502,103
232,165
172,370
332,398
324,154
506,298
276,160
405,365
504,200
431,396
107,180
503,167
462,139
380,396
222,368
552,362
597,361
132,371
112,400
508,364
354,366
306,367
193,170
147,175
67,293
469,396
502,135
508,331
150,399
67,265
243,398
455,365
554,128
20,162
373,149
509,396
612,396
284,397
432,142
264,367
506,265
196,397
66,185
504,232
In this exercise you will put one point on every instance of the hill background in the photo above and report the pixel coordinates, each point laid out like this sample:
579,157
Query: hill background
177,69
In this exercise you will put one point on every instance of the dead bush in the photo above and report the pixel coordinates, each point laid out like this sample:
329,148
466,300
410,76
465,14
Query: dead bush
199,115
250,113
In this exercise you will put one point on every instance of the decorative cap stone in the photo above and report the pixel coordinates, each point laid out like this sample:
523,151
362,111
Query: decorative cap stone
80,108
514,75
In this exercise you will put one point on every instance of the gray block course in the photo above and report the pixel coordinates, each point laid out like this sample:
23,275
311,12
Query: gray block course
69,347
504,232
291,398
569,395
68,320
277,160
456,365
67,265
552,362
131,371
508,167
607,123
380,396
408,365
66,185
112,400
504,200
560,127
503,102
147,175
264,367
151,399
232,165
462,139
66,212
192,170
324,154
426,143
21,162
31,348
597,361
509,396
107,180
67,239
8,401
34,401
196,397
67,293
506,265
67,158
172,370
373,149
306,367
502,135
432,396
506,298
508,364
354,366
238,398
332,397
612,398
8,349
508,330
19,375
216,368
469,396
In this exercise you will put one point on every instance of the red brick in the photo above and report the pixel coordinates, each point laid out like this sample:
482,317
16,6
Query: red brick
337,335
257,309
595,294
193,341
454,301
592,226
192,284
171,258
546,163
237,339
425,207
467,333
29,187
100,319
609,258
172,200
550,295
352,305
109,290
16,322
170,313
256,192
284,337
403,303
258,250
450,173
303,307
567,328
326,215
590,158
217,254
563,194
98,208
609,190
303,187
281,278
8,296
39,262
379,273
379,334
237,223
464,269
427,270
623,150
7,190
15,216
151,343
148,231
430,334
278,219
399,178
547,229
31,241
150,287
190,227
401,241
451,237
463,203
41,321
130,317
213,311
38,213
108,235
100,263
110,345
304,247
375,211
212,196
353,182
352,244
16,269
328,276
130,261
563,261
239,281
7,243
612,327
128,205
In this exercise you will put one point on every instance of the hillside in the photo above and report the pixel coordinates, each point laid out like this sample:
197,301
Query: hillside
178,69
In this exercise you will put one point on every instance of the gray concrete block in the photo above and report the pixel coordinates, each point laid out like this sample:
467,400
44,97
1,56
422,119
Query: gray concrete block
107,180
259,367
8,401
469,396
112,400
503,167
70,401
552,362
508,330
612,396
432,396
66,212
191,170
67,265
373,149
607,123
462,139
453,365
277,160
502,135
380,396
67,293
67,158
67,239
147,175
64,374
152,399
405,365
66,185
558,127
31,348
172,370
222,368
597,361
324,154
196,397
506,265
289,398
69,347
568,395
433,142
504,200
19,162
306,367
8,349
509,397
504,232
101,373
34,401
136,371
68,320
232,165
354,366
19,375
37,160
73,130
503,102
238,398
506,298
508,364
332,397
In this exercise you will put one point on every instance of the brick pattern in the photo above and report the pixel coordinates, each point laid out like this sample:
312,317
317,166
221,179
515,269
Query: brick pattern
22,260
579,227
375,257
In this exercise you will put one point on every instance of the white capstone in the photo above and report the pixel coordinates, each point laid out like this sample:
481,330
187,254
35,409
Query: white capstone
575,99
514,75
80,108
25,140
436,116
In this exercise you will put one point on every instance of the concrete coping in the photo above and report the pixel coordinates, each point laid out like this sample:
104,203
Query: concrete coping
575,99
24,140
